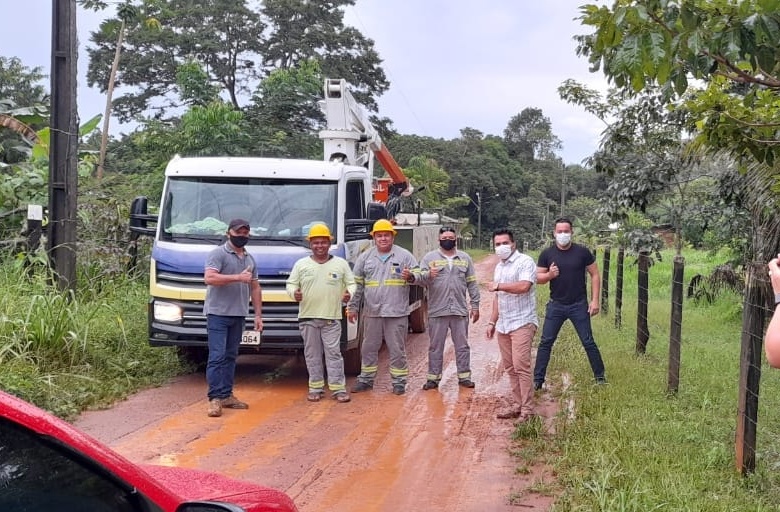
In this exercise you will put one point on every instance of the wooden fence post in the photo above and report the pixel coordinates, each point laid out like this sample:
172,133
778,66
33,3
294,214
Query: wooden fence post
675,329
642,332
605,281
753,314
619,288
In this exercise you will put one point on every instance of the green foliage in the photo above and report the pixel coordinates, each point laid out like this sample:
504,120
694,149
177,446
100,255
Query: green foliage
431,181
194,86
528,136
731,46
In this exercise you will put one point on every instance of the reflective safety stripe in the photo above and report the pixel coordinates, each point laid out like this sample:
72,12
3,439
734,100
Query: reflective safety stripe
397,372
394,282
369,369
373,284
471,279
435,378
316,384
359,280
337,387
464,375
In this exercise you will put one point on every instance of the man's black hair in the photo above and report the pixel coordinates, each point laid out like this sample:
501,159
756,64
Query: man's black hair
563,220
446,229
504,231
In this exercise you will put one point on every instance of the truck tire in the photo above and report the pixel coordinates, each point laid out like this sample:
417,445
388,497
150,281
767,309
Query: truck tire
418,319
352,358
193,357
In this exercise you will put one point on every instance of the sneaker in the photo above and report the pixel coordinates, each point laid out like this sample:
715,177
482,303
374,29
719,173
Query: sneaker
511,412
399,389
361,386
430,384
215,408
466,383
601,380
538,386
232,402
342,397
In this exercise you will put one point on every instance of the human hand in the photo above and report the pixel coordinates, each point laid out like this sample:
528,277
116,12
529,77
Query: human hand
298,295
407,275
258,323
245,276
553,271
593,308
474,316
346,296
434,270
491,329
774,273
351,316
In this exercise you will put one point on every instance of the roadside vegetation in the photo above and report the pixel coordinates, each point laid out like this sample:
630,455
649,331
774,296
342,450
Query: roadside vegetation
629,446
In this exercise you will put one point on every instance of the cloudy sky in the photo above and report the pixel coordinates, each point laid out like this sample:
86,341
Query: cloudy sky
452,64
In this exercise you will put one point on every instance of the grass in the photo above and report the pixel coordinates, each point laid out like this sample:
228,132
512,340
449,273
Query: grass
631,446
70,352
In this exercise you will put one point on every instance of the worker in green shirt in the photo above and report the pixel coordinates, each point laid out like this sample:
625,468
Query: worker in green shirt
320,283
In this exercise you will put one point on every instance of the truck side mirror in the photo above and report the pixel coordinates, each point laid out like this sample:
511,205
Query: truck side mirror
357,229
140,218
376,211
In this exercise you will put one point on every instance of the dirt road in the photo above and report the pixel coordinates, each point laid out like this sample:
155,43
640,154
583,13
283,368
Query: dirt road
426,450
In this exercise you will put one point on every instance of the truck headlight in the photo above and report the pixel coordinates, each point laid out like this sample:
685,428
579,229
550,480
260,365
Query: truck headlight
167,312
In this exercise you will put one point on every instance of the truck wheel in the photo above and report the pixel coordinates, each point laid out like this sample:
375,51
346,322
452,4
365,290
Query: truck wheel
418,319
352,358
193,357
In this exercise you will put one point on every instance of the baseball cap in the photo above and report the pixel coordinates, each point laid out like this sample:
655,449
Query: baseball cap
238,224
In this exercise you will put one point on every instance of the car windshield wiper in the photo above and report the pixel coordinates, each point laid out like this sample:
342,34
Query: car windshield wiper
213,239
290,241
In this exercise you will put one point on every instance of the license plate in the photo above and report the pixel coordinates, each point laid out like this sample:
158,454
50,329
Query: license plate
250,338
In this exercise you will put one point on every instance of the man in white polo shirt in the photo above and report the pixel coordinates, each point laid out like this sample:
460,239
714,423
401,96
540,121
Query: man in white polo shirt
514,320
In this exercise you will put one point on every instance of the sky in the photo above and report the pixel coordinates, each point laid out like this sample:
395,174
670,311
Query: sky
452,64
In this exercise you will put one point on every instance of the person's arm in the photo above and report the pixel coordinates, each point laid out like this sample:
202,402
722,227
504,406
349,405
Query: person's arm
546,274
257,303
213,277
491,330
595,288
772,336
473,288
357,296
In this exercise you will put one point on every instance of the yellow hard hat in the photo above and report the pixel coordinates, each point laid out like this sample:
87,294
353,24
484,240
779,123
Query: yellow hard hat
319,230
383,225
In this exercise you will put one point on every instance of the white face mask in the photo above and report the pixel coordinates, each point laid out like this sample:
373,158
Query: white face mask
563,238
504,251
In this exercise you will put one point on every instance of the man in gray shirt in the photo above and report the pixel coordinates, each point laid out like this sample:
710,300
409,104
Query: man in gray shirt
231,280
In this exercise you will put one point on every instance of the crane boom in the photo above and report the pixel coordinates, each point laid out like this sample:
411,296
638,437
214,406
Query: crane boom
349,136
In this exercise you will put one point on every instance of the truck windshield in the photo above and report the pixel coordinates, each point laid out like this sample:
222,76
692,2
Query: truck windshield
200,208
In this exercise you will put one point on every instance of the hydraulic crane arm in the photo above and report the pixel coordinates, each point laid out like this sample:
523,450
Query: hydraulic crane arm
350,136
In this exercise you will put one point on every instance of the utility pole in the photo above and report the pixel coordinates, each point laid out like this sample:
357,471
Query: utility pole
479,221
63,149
563,187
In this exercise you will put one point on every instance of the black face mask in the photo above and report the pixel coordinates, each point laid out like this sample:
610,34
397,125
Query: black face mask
239,241
447,245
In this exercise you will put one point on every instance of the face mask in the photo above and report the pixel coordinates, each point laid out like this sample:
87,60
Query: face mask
504,251
563,238
239,241
447,245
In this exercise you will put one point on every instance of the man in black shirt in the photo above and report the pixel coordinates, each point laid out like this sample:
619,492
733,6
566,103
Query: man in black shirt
563,265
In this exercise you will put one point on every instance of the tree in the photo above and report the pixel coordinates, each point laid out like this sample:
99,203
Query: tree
236,44
21,94
529,136
734,47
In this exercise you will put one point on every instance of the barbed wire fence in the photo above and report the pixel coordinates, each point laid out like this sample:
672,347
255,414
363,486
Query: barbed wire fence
754,288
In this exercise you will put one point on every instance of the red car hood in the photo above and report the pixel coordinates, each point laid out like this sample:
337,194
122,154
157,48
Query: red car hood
194,485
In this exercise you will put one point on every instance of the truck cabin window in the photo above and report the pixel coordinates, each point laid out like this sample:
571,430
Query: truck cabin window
201,208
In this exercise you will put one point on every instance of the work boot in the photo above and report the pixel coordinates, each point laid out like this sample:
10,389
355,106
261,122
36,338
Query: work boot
466,383
361,386
430,384
215,408
232,402
538,386
399,389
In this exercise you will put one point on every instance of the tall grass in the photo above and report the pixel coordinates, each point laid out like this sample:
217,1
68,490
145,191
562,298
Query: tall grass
67,352
632,447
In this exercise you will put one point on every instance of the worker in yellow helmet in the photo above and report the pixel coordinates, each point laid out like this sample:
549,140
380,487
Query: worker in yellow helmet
383,275
320,283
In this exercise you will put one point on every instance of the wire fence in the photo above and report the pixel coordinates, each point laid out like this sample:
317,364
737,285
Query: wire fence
754,286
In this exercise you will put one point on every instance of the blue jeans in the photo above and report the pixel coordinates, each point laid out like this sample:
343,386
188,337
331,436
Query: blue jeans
224,338
556,314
